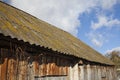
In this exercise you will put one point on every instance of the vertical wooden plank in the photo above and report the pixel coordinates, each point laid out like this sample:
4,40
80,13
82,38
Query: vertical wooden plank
92,72
65,68
17,68
48,66
19,71
0,71
68,76
107,73
23,69
86,74
40,66
82,72
75,72
99,72
114,73
60,67
51,59
89,71
71,73
4,53
110,73
26,69
9,70
103,73
96,72
36,68
30,70
0,63
4,69
43,66
11,66
55,66
58,64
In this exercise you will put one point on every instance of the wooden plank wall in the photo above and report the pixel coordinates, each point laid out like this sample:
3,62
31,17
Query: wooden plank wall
52,78
11,67
19,65
96,72
50,66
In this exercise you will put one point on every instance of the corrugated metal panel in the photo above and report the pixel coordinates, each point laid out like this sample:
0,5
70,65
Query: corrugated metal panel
18,24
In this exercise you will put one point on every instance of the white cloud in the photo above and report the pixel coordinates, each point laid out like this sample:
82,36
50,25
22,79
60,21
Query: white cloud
117,49
108,4
96,42
97,39
104,21
63,13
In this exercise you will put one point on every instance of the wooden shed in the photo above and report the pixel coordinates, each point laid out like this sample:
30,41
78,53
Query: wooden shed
31,49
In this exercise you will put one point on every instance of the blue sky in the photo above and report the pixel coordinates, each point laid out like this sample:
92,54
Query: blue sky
110,35
95,22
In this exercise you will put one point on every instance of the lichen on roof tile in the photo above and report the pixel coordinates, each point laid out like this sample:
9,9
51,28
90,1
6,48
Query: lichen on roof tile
23,26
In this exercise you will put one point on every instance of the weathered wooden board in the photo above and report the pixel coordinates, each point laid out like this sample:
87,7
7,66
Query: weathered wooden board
96,72
15,65
18,64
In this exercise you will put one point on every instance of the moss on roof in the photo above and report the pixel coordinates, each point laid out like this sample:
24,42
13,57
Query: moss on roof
23,26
